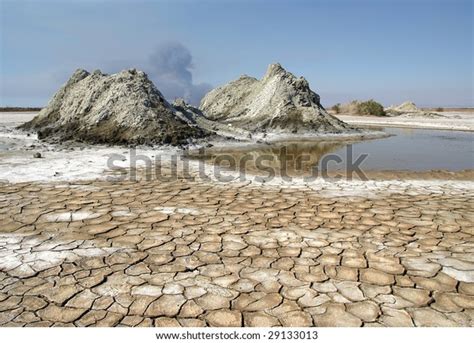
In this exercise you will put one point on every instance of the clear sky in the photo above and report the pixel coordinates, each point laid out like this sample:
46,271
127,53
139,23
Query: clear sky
389,50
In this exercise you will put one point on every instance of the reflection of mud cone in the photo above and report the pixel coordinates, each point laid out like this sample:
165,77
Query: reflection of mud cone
292,159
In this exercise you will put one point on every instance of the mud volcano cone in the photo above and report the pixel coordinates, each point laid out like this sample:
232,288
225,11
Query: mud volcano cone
279,102
123,108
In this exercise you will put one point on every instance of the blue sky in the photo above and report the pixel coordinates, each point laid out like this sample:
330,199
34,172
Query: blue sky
388,50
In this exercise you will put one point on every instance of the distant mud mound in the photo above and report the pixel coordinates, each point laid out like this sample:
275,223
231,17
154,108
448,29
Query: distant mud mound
122,108
409,109
406,107
279,102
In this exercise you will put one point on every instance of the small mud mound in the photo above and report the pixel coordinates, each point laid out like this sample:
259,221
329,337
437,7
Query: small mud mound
409,109
406,107
279,102
122,108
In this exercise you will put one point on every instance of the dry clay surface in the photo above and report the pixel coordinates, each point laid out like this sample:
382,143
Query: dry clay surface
195,253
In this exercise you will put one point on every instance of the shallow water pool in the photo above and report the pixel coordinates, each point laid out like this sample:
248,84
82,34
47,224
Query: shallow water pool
406,150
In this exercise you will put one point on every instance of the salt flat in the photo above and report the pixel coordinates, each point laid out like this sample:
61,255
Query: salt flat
462,121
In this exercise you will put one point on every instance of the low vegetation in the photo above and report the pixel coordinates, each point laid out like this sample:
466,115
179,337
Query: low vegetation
370,108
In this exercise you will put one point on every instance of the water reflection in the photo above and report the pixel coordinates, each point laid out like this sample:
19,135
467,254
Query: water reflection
289,158
416,150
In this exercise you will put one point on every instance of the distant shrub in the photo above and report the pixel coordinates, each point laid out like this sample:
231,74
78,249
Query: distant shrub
439,109
336,108
370,108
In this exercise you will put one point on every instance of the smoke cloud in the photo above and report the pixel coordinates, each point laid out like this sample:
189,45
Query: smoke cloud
170,68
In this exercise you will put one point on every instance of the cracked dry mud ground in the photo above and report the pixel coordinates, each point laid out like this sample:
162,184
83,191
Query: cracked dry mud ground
191,253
